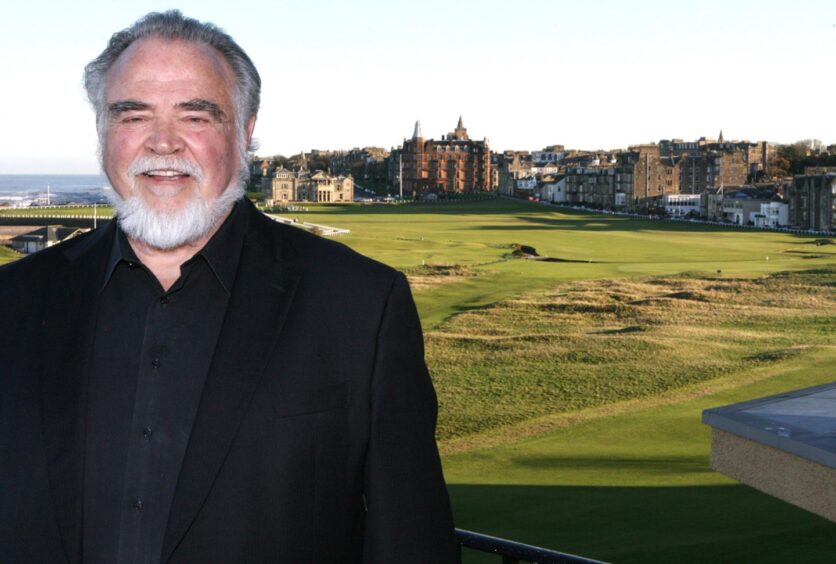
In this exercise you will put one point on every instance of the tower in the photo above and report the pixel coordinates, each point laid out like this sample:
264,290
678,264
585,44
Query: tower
460,132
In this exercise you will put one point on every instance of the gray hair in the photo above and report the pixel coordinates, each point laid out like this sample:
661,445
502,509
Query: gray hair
173,26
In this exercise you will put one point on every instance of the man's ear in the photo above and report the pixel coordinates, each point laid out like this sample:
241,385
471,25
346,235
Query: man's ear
249,130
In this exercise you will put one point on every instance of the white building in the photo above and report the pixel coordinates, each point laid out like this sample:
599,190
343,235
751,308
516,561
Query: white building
526,183
546,168
772,214
543,157
680,205
554,192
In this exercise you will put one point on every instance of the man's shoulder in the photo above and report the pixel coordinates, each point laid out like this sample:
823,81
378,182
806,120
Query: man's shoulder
36,266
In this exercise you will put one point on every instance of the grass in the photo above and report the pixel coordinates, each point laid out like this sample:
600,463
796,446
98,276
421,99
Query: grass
8,255
481,235
574,420
633,485
64,211
589,343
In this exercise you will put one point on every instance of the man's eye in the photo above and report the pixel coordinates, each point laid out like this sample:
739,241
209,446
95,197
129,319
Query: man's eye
196,120
132,119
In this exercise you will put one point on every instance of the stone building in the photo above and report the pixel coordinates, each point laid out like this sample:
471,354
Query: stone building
713,169
708,164
512,166
646,176
591,186
812,202
453,164
637,181
305,186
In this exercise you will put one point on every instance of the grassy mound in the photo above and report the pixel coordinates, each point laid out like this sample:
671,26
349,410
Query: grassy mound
589,343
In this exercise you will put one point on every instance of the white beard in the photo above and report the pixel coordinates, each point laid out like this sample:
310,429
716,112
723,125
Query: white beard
167,229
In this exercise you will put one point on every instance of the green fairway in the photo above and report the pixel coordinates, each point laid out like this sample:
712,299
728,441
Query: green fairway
633,485
480,235
571,391
58,212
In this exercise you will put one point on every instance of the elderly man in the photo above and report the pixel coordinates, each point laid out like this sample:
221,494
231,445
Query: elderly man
198,383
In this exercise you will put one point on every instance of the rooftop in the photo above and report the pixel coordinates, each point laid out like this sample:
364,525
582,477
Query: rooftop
801,422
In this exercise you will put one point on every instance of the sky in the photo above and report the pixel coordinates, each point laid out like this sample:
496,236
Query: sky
524,75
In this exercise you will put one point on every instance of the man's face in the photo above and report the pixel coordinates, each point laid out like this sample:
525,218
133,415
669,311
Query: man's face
170,135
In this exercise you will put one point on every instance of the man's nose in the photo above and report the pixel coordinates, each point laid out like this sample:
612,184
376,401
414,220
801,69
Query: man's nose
164,139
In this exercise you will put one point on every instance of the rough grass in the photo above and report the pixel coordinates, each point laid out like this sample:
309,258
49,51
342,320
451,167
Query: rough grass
8,255
589,343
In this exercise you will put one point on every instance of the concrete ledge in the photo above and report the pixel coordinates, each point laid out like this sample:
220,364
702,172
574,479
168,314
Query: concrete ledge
796,480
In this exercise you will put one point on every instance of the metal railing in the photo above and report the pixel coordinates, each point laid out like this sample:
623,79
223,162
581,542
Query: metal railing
515,552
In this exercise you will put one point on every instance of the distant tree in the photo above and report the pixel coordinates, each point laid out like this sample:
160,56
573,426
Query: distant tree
795,155
779,166
278,161
319,162
793,159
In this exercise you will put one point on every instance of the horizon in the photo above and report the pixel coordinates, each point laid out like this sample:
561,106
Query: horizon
343,75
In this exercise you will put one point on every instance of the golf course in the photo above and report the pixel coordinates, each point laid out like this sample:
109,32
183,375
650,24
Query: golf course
571,384
573,354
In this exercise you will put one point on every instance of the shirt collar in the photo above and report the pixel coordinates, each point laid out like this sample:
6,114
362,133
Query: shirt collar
222,252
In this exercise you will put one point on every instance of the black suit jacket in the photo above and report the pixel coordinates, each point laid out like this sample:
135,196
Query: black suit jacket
314,439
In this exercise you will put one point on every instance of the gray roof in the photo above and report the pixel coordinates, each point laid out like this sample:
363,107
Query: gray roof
801,422
48,233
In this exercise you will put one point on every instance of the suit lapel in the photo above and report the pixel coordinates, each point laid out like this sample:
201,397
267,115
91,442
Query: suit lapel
261,297
68,322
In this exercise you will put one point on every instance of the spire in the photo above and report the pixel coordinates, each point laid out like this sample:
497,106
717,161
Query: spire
720,139
460,132
417,134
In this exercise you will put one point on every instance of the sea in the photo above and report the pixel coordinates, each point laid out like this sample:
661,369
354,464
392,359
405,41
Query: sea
44,189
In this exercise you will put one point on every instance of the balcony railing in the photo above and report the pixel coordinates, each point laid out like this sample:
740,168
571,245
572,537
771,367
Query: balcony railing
514,552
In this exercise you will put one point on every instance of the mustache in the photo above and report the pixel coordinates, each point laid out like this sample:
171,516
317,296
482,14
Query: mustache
180,165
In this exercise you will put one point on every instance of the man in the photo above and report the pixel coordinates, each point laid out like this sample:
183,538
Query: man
199,383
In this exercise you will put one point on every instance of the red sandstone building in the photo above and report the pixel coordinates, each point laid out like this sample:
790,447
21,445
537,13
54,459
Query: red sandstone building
454,164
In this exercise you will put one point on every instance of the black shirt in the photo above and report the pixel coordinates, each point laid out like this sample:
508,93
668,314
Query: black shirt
153,349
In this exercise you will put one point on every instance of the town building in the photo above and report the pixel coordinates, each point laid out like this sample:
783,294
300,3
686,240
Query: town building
287,186
645,176
592,186
709,163
712,169
772,214
454,164
711,204
31,239
812,201
549,155
681,205
553,189
742,205
512,166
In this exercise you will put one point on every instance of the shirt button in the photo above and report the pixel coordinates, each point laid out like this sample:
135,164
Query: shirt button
156,363
164,300
147,432
137,504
